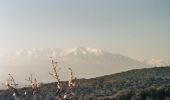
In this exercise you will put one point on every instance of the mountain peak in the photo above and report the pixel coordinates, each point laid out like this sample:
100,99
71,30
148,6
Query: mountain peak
157,62
82,50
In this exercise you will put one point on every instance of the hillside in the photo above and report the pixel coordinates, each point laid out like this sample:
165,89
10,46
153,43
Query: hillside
137,84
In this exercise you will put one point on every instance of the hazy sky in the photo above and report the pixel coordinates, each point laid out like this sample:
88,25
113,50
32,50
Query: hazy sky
137,28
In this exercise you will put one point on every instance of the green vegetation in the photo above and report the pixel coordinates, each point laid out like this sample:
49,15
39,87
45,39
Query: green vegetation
138,84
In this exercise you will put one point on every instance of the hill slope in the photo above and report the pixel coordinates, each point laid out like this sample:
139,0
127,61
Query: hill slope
138,84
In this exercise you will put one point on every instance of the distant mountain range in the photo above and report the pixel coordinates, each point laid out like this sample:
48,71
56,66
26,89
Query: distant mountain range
85,62
157,62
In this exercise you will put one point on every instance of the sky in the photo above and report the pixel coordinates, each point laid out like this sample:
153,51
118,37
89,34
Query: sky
136,28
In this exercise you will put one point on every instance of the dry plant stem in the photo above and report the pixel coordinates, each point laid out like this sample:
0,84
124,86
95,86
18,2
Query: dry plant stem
34,86
11,85
71,82
56,76
69,95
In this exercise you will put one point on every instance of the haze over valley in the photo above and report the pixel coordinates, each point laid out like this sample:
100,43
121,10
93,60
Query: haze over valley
86,63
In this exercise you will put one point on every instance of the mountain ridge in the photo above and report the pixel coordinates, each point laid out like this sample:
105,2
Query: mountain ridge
86,62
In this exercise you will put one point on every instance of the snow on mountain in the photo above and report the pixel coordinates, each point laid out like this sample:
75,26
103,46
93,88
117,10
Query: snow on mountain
81,50
85,62
157,62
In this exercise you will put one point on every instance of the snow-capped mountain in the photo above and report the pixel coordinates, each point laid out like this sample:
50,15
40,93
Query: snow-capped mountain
85,62
155,62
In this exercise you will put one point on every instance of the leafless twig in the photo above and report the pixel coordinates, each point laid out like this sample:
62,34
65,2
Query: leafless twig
70,94
12,86
56,76
35,86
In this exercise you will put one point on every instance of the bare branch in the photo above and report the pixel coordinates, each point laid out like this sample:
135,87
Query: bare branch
72,81
12,86
56,76
70,94
34,85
